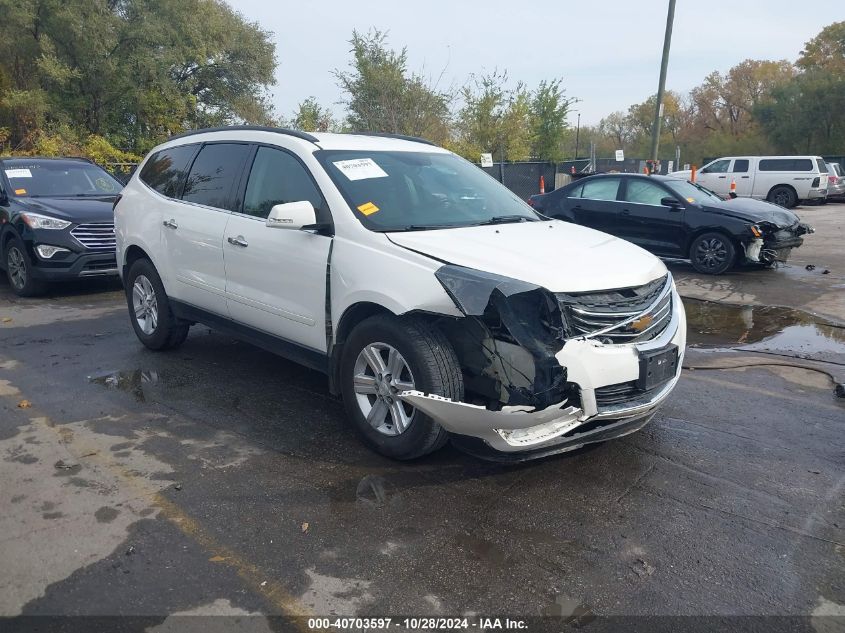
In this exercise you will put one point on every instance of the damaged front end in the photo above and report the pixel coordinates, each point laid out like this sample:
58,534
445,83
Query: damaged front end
769,242
551,370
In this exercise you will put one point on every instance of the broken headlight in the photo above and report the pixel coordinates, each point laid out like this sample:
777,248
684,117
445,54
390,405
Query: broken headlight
529,312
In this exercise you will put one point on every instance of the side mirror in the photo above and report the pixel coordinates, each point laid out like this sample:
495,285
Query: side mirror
292,215
672,203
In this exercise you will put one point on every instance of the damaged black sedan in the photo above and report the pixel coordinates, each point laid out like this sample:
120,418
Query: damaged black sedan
675,218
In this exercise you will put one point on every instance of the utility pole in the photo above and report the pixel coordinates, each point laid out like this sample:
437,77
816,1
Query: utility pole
658,108
577,135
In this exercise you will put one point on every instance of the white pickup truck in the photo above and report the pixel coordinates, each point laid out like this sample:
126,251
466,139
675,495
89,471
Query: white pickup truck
784,180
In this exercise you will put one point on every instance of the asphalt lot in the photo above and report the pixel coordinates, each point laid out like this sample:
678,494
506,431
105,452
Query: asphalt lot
219,479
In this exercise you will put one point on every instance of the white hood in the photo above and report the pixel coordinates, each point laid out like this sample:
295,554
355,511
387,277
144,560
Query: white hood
556,255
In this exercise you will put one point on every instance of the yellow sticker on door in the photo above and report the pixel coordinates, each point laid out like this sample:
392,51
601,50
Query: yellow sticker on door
368,209
20,192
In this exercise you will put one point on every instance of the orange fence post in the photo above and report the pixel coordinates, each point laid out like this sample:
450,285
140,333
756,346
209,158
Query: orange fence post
542,184
692,174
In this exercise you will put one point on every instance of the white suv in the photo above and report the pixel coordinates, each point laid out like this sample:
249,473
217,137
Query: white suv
438,303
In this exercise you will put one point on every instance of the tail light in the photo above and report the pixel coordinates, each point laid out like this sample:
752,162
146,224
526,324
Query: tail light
815,182
531,201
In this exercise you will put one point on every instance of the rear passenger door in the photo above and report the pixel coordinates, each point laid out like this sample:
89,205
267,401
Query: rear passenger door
192,230
646,222
276,278
595,204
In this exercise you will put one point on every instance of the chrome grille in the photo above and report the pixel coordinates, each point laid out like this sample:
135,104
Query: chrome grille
629,315
97,237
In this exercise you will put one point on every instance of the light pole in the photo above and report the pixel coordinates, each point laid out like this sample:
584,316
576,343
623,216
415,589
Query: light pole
661,86
577,135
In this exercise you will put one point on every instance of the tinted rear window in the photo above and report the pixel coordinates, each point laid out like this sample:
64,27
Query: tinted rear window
213,175
822,165
165,170
786,164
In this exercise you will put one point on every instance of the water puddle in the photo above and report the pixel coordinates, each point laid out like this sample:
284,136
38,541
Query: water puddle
132,381
761,328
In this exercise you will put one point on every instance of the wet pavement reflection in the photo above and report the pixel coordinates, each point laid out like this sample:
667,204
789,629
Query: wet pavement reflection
763,328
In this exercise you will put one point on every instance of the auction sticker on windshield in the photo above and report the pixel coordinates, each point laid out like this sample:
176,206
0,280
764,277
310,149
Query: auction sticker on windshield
18,173
360,169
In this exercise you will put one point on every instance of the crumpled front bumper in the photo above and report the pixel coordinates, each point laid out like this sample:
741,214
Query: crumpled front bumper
590,365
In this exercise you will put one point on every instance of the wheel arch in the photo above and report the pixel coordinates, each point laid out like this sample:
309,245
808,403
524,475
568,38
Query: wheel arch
735,240
352,316
785,186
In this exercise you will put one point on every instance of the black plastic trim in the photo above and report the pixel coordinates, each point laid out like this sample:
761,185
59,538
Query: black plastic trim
311,358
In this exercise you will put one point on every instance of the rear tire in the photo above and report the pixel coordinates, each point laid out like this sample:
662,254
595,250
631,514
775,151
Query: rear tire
783,196
422,358
150,312
19,270
712,253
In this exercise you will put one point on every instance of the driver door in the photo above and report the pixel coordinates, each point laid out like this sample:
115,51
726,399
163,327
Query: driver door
714,176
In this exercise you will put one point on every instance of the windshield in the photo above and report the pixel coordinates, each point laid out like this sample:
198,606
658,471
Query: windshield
46,178
691,192
410,191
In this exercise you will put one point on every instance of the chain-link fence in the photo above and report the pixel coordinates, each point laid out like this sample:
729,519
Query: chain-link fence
524,178
122,171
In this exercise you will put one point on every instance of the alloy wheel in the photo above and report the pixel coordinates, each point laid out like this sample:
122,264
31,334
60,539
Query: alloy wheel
711,253
381,373
145,305
16,266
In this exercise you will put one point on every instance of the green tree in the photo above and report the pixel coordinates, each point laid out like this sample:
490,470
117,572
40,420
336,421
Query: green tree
133,71
310,116
549,109
804,115
494,119
381,95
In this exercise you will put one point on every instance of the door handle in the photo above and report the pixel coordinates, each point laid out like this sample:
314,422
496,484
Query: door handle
625,212
722,176
170,224
745,176
238,241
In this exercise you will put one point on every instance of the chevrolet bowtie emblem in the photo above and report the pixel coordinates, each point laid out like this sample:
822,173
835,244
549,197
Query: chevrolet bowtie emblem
641,324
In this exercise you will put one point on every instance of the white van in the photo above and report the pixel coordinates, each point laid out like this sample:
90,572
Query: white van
784,180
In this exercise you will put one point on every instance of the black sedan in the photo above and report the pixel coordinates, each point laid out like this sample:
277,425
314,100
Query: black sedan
675,218
56,221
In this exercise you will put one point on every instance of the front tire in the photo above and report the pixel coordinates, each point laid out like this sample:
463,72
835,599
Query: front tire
712,253
384,356
19,271
152,317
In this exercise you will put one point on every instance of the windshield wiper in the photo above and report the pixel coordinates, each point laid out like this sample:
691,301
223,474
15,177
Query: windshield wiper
425,227
506,219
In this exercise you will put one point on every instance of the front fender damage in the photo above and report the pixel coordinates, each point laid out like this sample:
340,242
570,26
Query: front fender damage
508,341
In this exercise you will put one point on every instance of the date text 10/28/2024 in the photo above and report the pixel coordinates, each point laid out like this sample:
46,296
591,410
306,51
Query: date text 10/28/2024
419,624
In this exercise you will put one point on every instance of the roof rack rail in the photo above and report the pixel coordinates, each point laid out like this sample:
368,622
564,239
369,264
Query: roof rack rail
403,137
253,128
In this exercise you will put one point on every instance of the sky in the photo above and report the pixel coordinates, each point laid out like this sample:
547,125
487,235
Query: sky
606,51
